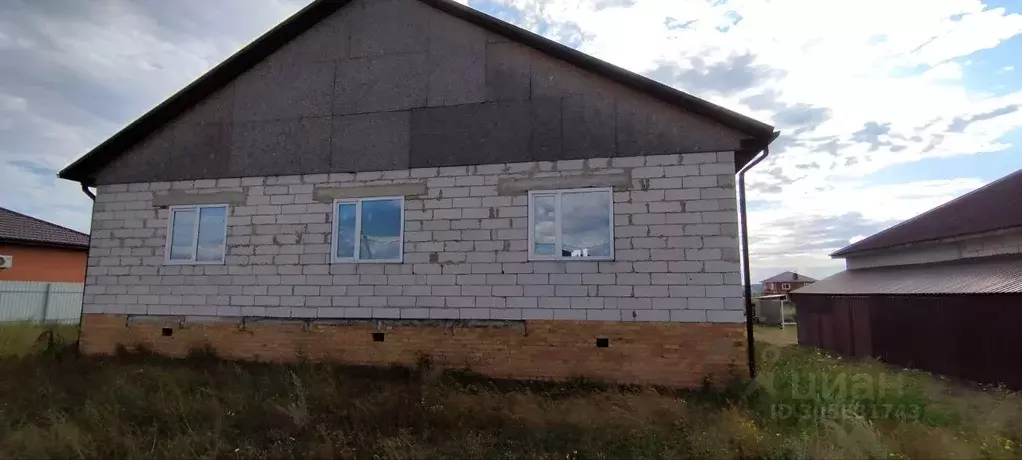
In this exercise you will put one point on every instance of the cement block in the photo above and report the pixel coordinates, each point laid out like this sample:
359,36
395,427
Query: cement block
457,62
200,151
279,147
370,142
379,84
547,134
588,124
326,41
508,71
273,92
383,27
497,132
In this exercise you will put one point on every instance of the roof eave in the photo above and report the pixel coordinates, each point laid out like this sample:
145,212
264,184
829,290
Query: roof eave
48,244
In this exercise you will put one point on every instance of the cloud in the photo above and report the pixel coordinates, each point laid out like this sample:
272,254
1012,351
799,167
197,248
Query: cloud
727,77
72,74
960,123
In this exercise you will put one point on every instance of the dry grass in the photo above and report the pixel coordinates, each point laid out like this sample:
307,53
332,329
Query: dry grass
775,335
55,405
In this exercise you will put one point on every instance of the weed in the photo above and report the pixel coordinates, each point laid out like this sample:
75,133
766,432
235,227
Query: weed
137,404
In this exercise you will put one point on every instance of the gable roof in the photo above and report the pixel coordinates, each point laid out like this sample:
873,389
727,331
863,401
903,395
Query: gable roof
16,227
988,208
787,277
760,134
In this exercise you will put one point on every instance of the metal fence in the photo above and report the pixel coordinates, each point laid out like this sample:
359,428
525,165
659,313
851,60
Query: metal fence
40,302
971,336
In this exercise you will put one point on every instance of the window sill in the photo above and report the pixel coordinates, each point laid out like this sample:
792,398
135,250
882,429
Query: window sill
343,261
571,259
194,262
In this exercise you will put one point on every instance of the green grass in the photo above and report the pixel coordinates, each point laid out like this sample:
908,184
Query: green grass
54,404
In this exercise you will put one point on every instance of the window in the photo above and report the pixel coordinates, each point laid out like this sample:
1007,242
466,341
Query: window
785,286
197,234
571,224
369,230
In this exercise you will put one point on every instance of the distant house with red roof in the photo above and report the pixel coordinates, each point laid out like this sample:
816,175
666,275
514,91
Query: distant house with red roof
783,283
36,250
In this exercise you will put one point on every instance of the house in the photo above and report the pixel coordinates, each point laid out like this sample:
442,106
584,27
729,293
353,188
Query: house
36,250
939,291
387,181
784,283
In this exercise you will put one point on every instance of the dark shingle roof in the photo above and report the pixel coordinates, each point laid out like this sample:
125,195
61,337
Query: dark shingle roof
992,207
787,277
16,227
985,275
83,168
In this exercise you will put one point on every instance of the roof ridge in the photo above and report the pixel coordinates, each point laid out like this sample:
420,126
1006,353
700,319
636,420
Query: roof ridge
850,249
43,221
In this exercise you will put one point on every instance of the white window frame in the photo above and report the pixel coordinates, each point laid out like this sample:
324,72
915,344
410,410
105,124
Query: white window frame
785,285
358,232
195,235
557,225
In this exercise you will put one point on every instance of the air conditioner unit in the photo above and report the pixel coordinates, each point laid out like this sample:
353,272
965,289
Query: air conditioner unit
6,261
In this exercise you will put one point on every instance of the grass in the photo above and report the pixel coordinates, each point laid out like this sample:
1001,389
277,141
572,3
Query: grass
804,405
775,335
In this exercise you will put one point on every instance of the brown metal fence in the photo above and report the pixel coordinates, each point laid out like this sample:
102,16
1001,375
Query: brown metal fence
974,337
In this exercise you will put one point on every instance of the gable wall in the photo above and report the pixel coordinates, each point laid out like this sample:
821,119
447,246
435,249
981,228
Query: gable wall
396,84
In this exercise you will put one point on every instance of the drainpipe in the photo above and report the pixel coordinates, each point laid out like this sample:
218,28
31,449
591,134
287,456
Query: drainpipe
743,219
85,189
81,313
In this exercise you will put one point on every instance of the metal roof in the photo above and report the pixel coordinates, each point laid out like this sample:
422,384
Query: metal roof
787,277
82,170
992,207
985,275
16,227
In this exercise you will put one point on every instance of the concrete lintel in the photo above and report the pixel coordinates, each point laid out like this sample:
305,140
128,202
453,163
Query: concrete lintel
183,198
521,186
329,194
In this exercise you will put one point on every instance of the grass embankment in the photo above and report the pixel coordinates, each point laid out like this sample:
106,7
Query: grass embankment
53,404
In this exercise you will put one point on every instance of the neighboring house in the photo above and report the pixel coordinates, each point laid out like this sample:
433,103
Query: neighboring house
784,283
40,251
387,181
940,291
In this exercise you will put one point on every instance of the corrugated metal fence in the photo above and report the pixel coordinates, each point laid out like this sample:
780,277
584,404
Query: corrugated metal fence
40,302
975,337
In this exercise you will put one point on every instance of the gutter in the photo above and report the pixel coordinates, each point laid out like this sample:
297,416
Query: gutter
746,277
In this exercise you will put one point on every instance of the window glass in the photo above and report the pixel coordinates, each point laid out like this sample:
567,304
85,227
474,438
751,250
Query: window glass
544,235
197,234
182,237
381,230
345,230
212,222
585,224
369,229
577,223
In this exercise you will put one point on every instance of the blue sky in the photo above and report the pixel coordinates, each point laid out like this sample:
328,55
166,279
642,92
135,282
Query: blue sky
886,108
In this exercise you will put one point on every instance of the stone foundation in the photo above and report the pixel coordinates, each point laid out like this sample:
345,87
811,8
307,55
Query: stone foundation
673,354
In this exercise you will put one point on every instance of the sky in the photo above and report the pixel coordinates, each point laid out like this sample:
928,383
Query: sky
886,108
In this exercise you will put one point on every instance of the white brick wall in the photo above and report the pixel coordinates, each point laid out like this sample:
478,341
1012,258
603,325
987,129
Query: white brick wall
989,244
676,251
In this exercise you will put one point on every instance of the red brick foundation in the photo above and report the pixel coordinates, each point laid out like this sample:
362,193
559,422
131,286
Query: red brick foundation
675,354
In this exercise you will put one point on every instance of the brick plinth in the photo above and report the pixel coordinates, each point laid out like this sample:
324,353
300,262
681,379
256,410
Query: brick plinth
675,354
